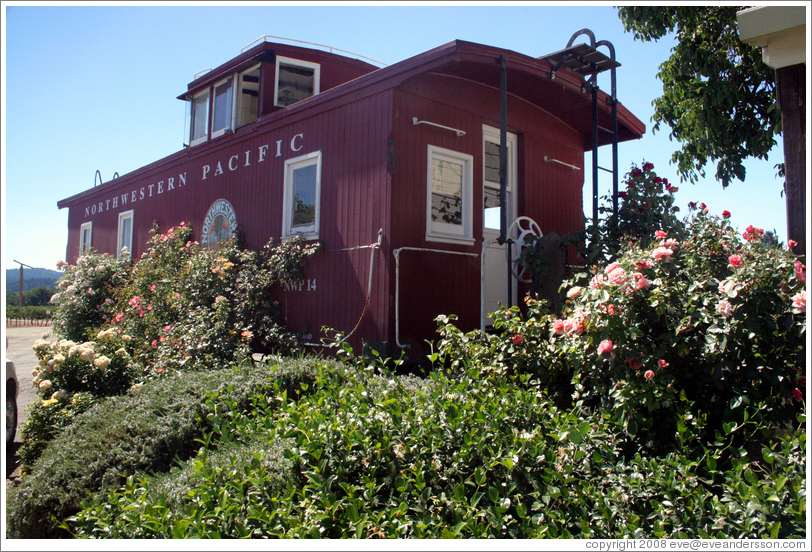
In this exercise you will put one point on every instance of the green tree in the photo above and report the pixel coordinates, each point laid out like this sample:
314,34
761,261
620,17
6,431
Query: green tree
38,297
718,95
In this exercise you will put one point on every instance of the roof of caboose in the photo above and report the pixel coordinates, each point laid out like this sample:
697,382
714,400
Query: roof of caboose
528,78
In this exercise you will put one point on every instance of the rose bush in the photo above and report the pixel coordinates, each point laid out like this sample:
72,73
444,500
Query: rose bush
85,294
692,321
189,308
645,207
70,378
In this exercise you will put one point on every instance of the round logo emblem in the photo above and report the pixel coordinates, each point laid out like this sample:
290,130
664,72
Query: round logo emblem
220,224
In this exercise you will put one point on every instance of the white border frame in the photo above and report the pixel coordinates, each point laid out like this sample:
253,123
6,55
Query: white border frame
299,63
121,217
85,246
440,231
310,232
237,94
213,101
205,138
493,135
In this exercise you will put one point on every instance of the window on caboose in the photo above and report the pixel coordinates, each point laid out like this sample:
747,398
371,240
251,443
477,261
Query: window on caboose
125,233
295,80
302,196
200,118
449,216
248,97
85,237
223,102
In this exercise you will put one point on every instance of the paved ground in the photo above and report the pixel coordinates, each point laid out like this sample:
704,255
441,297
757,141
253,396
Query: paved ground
20,342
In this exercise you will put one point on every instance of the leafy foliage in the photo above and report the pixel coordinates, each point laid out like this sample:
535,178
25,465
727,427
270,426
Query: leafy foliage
711,325
70,378
85,297
188,307
718,94
145,431
362,455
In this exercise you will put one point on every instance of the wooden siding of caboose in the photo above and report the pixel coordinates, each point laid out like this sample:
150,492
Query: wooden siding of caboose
352,139
436,283
355,200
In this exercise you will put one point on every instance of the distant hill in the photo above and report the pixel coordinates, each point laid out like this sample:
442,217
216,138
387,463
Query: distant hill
32,278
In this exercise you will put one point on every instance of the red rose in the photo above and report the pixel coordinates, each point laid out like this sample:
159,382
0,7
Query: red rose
624,194
726,214
518,339
648,166
797,394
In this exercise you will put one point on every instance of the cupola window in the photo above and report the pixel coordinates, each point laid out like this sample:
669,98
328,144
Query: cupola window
200,118
295,80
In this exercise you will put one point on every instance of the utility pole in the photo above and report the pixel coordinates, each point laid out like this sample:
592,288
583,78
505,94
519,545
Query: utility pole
21,280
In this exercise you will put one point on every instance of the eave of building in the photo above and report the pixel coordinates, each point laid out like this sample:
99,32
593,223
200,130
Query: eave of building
780,31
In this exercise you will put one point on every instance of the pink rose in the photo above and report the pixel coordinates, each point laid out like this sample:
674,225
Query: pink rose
597,281
791,244
152,287
735,261
558,327
574,292
642,283
641,265
662,363
752,233
662,254
167,328
612,267
660,235
606,346
800,271
617,276
634,364
799,302
724,308
649,374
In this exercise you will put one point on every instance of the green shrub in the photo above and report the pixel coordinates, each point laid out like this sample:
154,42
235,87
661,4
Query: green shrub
368,455
148,430
714,319
70,378
85,294
190,308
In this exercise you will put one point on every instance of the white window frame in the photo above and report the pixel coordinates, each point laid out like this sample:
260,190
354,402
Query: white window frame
238,96
494,135
85,245
122,217
298,63
437,231
309,232
205,137
230,107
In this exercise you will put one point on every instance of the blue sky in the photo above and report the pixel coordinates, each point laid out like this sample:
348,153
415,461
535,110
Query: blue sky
89,88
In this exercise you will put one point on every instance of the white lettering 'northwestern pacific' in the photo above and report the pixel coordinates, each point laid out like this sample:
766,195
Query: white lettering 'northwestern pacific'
125,198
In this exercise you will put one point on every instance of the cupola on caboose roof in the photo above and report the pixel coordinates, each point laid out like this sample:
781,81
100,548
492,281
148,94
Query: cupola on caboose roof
411,176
